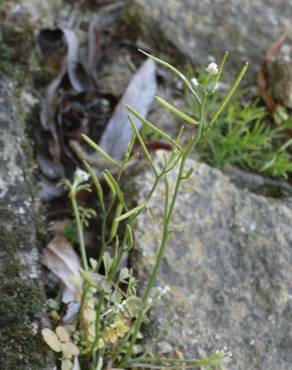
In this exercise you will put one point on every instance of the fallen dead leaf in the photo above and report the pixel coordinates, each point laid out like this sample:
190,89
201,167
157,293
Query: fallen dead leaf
63,261
262,80
139,94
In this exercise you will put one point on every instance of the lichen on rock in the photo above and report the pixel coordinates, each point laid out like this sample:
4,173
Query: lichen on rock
198,29
22,306
228,264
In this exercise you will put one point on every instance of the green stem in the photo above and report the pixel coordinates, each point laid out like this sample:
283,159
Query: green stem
79,230
97,322
154,272
103,234
167,218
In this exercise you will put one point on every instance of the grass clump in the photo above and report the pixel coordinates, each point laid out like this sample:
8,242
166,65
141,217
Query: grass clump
246,136
105,334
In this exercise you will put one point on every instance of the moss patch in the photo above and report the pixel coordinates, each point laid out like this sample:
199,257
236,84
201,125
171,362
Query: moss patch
15,60
19,351
21,300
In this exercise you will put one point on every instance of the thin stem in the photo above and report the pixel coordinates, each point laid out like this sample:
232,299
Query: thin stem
103,234
79,230
227,97
97,319
160,255
166,222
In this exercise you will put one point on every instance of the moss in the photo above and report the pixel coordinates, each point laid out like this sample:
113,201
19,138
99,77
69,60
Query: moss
15,61
18,299
13,235
19,349
21,301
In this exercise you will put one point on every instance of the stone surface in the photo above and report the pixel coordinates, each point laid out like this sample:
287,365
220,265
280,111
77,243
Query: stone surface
279,73
228,264
22,305
198,29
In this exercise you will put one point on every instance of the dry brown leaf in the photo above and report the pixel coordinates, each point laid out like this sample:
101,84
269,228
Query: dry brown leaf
63,261
262,80
139,94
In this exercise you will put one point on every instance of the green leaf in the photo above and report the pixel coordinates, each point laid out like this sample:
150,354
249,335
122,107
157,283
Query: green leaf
53,304
149,124
176,111
117,297
99,150
218,76
124,274
134,306
128,240
132,212
130,148
115,224
107,262
110,184
228,96
188,174
148,156
97,184
117,188
176,72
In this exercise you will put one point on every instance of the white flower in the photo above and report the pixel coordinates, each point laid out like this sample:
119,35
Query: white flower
212,69
212,87
81,175
120,307
166,289
194,81
163,291
149,300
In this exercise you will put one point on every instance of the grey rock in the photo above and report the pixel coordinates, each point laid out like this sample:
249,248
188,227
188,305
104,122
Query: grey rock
198,29
256,183
22,306
279,73
228,264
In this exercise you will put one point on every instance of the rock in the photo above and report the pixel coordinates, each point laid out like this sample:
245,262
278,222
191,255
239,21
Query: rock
22,306
197,30
228,264
279,74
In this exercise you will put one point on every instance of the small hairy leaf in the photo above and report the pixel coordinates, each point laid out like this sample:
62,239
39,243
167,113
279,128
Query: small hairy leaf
50,337
62,334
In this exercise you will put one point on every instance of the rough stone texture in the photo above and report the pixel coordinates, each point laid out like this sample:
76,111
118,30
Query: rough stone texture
198,29
22,297
228,263
279,73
